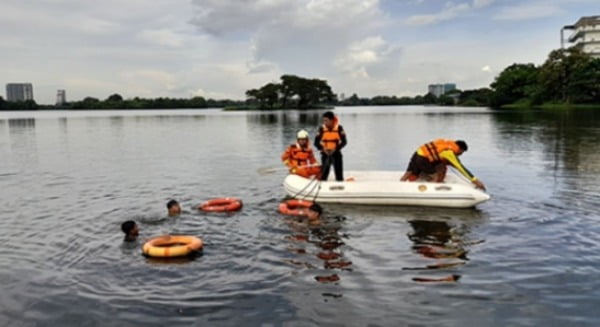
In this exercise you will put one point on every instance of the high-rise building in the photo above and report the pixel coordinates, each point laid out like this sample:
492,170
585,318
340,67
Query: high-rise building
586,35
440,89
61,97
19,92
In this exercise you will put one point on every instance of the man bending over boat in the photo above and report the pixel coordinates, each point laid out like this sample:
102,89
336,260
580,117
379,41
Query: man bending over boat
299,157
430,160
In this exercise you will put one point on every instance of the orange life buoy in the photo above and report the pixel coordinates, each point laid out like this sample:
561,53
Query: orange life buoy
221,204
169,246
295,207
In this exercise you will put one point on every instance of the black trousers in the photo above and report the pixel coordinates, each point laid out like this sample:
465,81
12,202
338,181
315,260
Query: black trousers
334,159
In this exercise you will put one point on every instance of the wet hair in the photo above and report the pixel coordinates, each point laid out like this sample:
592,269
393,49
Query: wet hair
329,114
316,208
127,226
462,144
171,204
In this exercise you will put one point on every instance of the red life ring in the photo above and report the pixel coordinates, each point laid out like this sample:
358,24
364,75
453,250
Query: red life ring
221,204
295,207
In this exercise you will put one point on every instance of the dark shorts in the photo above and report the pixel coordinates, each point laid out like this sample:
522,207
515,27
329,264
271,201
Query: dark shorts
419,164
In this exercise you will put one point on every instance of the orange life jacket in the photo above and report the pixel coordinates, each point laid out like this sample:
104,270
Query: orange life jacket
331,138
299,156
432,149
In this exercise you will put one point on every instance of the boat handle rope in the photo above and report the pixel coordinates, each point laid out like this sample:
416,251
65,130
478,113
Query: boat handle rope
312,180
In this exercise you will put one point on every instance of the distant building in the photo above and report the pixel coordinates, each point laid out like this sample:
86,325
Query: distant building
440,89
61,97
586,35
19,92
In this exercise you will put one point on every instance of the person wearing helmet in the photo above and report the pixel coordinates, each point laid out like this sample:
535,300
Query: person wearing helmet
299,157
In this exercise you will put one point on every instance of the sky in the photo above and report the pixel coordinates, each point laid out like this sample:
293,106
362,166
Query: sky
221,48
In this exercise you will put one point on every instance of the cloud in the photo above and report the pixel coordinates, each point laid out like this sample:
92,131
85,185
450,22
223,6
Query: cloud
163,37
371,57
528,11
450,12
482,3
221,48
260,67
220,17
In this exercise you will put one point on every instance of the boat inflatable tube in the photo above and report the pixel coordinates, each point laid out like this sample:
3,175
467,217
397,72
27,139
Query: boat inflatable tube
295,207
221,204
171,246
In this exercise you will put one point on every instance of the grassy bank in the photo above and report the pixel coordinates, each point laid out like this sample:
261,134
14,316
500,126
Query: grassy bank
550,106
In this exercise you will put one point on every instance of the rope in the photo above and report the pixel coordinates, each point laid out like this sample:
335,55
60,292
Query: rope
312,180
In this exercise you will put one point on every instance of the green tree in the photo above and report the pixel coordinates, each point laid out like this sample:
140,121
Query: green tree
197,102
429,99
269,94
115,98
569,75
445,100
293,92
479,97
515,83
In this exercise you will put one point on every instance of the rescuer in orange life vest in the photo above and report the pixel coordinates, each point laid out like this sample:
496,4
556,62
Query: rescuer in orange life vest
330,139
299,157
430,160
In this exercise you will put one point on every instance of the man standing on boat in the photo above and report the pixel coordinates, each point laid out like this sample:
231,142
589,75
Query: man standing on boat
330,140
430,160
299,157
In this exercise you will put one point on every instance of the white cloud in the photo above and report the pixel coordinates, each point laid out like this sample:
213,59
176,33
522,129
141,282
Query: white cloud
220,17
371,57
221,48
449,12
297,36
527,11
163,37
482,3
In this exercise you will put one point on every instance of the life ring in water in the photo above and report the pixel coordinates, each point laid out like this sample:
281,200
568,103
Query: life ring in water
295,207
170,246
221,204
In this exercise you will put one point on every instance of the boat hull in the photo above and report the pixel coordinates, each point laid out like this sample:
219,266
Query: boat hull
385,188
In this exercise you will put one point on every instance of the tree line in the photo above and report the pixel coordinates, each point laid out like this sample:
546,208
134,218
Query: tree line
293,92
568,76
116,101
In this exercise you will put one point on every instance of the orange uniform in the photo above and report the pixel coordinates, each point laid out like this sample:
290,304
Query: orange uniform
300,160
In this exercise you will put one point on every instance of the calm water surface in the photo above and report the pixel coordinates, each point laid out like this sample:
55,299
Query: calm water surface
528,257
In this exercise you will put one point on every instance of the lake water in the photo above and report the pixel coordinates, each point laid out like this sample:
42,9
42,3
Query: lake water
528,257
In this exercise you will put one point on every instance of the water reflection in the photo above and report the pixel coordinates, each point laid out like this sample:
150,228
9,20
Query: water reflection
264,119
566,141
21,123
303,119
442,242
324,242
23,140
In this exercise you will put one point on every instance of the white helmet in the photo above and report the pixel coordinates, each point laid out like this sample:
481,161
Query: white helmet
302,134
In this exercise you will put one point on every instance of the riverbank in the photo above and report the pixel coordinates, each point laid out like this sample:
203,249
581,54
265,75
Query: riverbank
550,106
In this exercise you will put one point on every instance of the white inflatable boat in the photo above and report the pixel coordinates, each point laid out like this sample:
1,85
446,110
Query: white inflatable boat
385,188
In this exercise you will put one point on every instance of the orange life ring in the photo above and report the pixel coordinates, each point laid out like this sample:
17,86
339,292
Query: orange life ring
170,246
295,207
221,204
